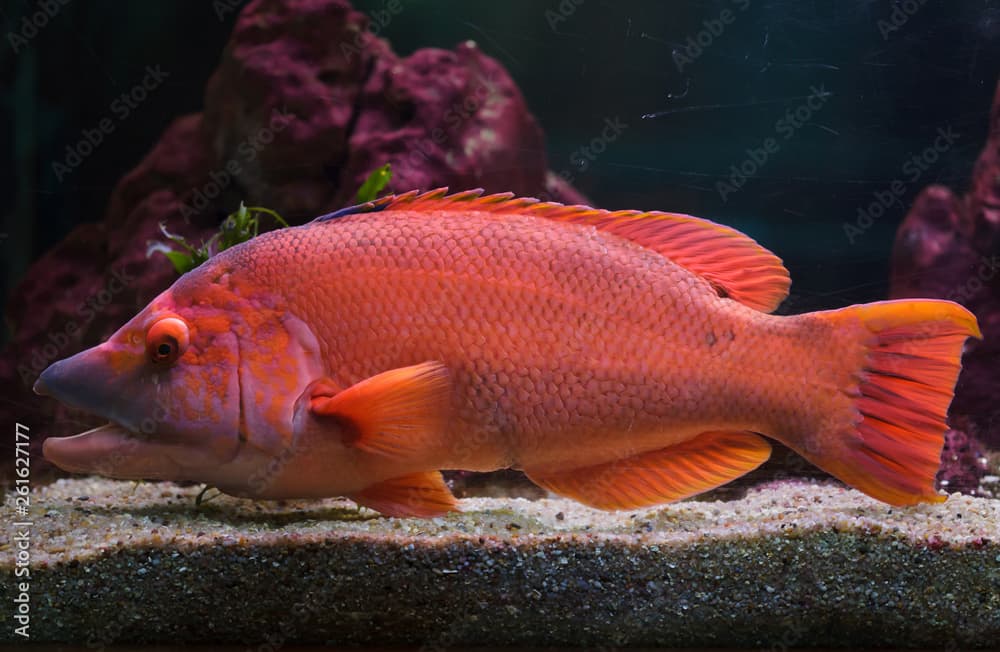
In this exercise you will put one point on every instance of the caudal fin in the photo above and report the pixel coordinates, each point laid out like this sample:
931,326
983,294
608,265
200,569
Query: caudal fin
891,449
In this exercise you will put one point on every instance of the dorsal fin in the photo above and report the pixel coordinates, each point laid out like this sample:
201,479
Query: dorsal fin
731,261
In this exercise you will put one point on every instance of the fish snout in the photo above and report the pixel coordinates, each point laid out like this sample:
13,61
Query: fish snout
166,423
88,381
74,381
39,387
51,374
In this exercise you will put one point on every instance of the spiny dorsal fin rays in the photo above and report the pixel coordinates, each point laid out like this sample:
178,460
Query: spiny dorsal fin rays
731,261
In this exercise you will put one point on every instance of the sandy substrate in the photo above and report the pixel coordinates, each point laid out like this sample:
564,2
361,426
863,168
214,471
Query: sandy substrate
789,565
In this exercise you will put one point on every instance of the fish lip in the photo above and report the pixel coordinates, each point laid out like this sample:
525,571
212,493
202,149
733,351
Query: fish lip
140,441
111,450
63,458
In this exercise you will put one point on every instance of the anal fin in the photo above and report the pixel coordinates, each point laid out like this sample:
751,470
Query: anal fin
417,494
705,462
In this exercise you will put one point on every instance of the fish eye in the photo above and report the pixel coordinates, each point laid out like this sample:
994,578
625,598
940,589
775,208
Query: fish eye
166,340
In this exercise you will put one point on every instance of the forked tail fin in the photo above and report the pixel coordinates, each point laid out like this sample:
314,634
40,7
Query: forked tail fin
891,449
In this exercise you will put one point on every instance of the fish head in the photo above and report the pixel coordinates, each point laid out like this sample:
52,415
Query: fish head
168,383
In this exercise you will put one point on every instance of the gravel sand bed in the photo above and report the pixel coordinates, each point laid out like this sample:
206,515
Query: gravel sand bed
788,565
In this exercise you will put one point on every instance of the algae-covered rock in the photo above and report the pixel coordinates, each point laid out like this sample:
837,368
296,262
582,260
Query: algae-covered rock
793,564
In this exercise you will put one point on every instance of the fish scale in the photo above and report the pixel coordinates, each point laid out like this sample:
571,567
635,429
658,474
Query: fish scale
634,333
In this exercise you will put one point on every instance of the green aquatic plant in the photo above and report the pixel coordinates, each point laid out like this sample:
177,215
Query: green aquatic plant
374,184
238,227
244,225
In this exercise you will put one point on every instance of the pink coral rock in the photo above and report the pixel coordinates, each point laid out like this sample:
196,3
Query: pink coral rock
949,247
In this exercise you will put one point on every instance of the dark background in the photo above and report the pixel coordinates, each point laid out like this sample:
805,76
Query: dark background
606,60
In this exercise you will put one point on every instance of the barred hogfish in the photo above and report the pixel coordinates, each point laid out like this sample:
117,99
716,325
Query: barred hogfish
620,358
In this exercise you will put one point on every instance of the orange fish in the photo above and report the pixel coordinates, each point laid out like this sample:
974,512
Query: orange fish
622,358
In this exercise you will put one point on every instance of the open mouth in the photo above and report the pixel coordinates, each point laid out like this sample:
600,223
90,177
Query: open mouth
137,443
109,450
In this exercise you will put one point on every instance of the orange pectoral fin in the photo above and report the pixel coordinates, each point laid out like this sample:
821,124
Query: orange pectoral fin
396,413
709,460
418,494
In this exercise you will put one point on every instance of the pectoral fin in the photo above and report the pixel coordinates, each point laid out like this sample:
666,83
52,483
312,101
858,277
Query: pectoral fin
709,460
397,413
418,494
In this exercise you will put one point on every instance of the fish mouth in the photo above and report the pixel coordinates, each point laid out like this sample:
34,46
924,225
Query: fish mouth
144,440
114,451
